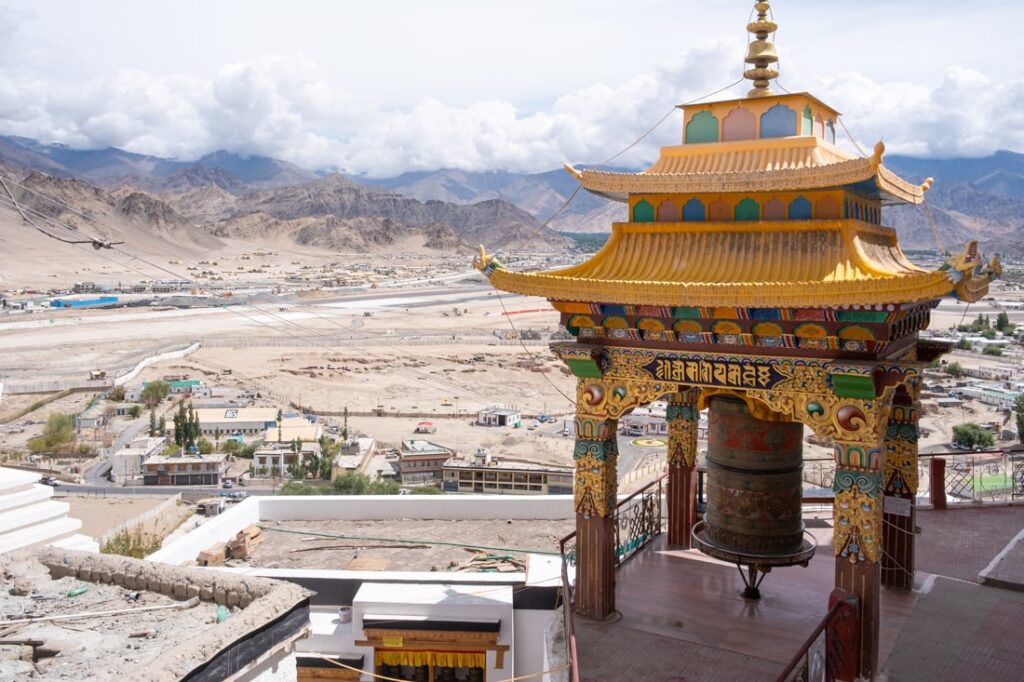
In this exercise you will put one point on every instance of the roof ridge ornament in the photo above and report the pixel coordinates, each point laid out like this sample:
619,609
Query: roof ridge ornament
761,53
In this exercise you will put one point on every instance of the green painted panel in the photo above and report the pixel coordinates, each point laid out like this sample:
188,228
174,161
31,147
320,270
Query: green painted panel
853,386
808,122
643,212
703,127
748,209
686,313
861,316
584,368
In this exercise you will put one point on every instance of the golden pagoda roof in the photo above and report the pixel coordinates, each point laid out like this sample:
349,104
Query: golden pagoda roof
767,165
821,263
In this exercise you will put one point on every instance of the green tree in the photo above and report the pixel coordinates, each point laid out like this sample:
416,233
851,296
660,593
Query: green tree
350,483
954,369
152,423
205,446
154,392
987,333
970,436
280,418
1020,417
163,426
1003,323
963,344
135,411
993,350
58,435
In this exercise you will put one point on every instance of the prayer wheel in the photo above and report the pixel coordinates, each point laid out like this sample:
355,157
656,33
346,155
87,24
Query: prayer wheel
753,481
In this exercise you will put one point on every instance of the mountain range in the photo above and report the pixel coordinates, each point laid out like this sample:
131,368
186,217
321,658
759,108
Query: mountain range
255,197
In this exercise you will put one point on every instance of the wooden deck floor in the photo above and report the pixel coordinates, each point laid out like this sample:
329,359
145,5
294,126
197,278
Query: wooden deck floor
682,617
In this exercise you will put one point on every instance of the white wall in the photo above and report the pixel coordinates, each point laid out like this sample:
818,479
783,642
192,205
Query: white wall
531,628
383,507
220,529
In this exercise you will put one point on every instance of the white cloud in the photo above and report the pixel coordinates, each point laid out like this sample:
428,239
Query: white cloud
286,106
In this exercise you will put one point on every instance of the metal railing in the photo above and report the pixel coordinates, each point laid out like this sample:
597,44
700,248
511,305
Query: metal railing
975,477
830,649
637,521
569,542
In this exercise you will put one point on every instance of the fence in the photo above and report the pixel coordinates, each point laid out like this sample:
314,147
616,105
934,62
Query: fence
335,340
137,521
52,386
971,477
830,652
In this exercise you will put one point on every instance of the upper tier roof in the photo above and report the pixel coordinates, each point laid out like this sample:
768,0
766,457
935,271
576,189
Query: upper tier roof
767,165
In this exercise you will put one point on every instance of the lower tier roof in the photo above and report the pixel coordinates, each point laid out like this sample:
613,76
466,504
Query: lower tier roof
758,264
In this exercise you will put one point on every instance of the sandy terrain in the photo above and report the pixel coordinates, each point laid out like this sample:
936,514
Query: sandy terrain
102,514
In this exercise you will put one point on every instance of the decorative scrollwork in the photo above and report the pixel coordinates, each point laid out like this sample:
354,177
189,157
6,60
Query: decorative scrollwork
683,417
596,484
858,515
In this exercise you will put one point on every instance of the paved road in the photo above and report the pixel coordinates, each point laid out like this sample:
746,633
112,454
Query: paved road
117,491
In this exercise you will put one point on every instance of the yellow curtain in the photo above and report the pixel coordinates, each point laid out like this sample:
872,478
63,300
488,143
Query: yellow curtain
413,658
458,659
448,659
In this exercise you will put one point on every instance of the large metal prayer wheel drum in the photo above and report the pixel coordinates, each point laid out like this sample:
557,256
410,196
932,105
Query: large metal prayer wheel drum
753,481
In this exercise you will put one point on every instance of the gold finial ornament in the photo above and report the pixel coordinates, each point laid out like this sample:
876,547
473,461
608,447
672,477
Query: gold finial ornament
762,53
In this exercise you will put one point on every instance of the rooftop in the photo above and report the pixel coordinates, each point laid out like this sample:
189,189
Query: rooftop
808,264
406,544
240,414
159,631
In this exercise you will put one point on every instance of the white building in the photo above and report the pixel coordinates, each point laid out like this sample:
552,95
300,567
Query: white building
499,416
126,465
236,421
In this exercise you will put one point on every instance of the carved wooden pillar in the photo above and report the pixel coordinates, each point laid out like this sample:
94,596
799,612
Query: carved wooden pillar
858,539
595,489
900,499
683,417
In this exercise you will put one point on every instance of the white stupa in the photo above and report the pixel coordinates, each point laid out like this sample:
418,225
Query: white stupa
29,516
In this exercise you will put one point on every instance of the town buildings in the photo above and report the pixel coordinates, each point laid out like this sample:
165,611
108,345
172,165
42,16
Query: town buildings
421,462
499,416
127,465
186,470
489,475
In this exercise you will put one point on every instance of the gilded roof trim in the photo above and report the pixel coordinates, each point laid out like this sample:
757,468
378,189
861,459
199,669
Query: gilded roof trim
617,185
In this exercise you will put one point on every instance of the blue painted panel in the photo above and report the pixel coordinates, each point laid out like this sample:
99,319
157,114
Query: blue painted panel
765,314
800,209
694,211
779,121
613,310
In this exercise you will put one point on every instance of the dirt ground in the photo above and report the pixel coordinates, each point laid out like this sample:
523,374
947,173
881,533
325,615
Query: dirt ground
102,514
96,648
294,550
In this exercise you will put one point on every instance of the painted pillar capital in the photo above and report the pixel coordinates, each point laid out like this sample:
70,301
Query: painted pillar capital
683,416
858,503
595,455
901,436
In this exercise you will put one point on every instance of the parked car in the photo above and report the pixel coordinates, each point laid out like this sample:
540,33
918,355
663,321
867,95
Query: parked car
229,484
51,481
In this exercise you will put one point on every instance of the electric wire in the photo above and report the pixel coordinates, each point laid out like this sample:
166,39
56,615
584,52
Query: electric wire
435,382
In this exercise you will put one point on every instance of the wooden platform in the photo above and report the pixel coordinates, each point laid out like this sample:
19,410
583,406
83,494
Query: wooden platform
682,617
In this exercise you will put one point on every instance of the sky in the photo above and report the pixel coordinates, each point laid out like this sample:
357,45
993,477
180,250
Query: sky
381,87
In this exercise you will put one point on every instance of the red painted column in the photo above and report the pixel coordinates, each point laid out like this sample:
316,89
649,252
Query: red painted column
900,496
683,417
937,486
858,539
594,496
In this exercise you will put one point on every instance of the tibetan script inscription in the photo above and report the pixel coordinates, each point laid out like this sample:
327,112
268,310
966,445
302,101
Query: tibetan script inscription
702,371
